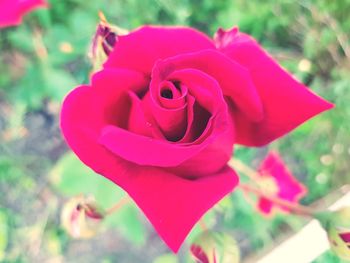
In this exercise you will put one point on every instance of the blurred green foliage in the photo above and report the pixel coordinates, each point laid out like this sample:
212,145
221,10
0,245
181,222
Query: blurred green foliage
67,177
45,57
3,234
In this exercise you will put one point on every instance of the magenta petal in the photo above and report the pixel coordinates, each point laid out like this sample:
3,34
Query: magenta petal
138,122
177,101
145,150
28,5
174,204
265,206
233,79
287,103
199,254
12,11
119,80
172,122
289,188
345,237
140,49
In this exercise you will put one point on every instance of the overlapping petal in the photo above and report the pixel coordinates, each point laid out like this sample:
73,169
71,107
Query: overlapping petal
286,102
140,49
233,79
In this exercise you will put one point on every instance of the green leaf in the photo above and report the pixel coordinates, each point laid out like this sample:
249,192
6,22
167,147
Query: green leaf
22,39
58,83
71,177
43,16
127,221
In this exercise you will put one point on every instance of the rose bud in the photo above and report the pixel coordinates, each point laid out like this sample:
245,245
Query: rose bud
12,11
81,218
337,225
276,180
103,42
161,118
215,247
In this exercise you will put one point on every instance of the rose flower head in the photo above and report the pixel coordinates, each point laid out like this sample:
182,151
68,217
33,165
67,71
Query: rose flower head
161,118
81,217
276,180
12,11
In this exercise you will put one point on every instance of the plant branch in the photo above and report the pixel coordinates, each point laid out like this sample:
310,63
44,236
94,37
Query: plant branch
294,208
123,201
243,168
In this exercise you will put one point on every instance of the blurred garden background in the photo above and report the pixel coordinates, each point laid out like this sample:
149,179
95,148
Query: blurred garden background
46,56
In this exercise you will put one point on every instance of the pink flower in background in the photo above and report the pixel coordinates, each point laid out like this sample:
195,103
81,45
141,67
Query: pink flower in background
12,11
161,118
278,181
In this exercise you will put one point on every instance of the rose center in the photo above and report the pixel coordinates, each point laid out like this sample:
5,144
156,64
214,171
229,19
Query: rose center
170,91
167,93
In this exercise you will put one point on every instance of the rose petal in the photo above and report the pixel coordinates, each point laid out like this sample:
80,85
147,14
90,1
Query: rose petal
234,80
119,80
138,122
140,49
265,206
172,122
172,204
204,97
179,97
184,159
203,87
145,150
345,237
12,11
287,103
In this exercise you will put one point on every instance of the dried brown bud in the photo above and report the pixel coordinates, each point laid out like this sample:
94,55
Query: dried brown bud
104,41
81,217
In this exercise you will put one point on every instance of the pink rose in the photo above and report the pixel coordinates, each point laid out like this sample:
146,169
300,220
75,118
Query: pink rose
12,11
161,118
274,174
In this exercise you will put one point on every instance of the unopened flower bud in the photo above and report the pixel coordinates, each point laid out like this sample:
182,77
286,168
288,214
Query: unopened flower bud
81,217
337,225
103,42
214,247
